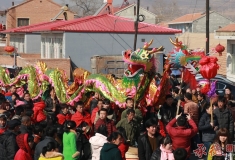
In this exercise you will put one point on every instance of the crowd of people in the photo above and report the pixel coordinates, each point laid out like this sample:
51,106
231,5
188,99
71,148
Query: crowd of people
46,129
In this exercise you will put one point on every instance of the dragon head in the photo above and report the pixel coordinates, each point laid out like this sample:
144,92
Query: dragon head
141,60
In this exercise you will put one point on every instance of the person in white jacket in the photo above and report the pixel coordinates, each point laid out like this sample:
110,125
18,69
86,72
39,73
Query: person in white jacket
98,141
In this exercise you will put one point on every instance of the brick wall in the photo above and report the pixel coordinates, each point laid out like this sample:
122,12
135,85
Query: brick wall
37,11
7,60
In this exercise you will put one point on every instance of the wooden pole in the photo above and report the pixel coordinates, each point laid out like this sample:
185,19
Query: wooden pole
179,101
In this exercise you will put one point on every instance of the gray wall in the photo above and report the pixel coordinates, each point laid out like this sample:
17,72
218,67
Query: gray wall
216,21
184,27
82,46
32,43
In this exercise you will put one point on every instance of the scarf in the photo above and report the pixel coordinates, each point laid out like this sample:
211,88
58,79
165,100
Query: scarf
166,154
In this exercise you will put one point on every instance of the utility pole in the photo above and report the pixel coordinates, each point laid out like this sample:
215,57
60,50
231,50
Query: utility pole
136,23
207,26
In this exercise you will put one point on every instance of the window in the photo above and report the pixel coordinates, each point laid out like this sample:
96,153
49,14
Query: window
18,42
233,58
22,22
52,47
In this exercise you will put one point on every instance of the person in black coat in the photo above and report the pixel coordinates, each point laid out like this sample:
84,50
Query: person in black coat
224,116
207,128
150,141
168,110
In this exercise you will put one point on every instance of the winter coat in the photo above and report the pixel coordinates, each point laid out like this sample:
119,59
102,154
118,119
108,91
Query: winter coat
181,136
158,152
110,151
208,133
138,115
191,108
108,123
131,128
97,143
40,145
38,114
225,119
49,104
51,156
123,149
25,129
24,153
110,115
167,113
8,140
69,145
62,118
144,148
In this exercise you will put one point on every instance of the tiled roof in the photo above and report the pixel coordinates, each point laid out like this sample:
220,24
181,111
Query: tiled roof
228,28
188,18
103,23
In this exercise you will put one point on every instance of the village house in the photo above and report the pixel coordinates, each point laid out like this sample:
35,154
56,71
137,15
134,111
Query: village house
127,10
228,33
196,22
80,39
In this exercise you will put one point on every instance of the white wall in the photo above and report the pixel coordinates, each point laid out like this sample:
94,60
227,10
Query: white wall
231,60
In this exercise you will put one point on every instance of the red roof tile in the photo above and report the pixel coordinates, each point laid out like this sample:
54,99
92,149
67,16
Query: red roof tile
187,18
228,28
102,23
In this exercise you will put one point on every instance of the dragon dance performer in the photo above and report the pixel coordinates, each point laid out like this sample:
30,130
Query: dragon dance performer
83,125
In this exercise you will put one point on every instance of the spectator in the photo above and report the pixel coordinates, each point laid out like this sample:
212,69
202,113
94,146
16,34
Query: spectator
164,152
37,133
173,80
201,104
83,124
228,95
194,96
69,141
220,145
224,116
168,110
50,137
38,110
150,141
131,127
191,107
124,146
180,154
207,128
175,94
181,135
64,114
130,105
110,150
28,101
98,141
94,101
49,153
25,125
111,113
52,103
103,120
7,140
95,110
25,143
19,113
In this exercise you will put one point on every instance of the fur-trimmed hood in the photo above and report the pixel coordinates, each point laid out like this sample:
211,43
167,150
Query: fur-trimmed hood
50,155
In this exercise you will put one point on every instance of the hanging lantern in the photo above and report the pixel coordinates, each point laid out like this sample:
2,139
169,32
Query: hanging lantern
9,49
209,67
219,48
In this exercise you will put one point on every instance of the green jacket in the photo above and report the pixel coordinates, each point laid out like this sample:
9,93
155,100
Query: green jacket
131,128
110,151
138,115
69,145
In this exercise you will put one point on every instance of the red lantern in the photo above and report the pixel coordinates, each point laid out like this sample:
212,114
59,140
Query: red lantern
9,49
209,67
219,48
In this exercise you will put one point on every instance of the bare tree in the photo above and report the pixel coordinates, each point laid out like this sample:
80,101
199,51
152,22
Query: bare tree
166,10
86,7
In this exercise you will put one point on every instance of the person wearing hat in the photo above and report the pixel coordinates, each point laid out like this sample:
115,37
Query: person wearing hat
7,140
14,129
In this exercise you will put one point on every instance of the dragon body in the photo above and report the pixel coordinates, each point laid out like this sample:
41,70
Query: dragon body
138,82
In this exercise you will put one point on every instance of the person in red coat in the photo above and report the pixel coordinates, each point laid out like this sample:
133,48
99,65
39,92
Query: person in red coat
103,120
124,146
38,114
25,143
64,114
181,135
95,110
83,126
